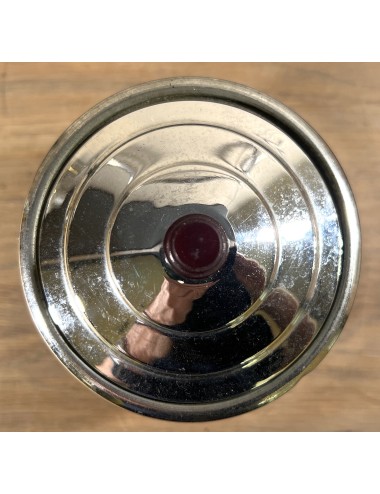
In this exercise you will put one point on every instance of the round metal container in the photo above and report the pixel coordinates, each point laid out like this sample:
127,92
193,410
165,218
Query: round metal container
190,248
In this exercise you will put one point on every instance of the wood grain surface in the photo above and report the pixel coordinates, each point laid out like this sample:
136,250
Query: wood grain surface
37,103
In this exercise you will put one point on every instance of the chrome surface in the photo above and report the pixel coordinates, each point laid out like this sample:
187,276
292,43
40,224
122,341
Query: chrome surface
112,302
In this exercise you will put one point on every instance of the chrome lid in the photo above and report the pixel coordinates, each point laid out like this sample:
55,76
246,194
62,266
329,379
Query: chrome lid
190,248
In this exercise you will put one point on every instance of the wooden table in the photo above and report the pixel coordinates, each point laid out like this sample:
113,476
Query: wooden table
38,101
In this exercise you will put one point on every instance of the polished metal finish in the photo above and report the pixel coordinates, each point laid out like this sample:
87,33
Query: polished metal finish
114,266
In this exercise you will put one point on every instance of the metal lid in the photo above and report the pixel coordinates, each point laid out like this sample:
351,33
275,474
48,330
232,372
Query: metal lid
190,248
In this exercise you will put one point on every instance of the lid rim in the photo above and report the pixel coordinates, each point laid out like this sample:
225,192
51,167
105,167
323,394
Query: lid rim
109,110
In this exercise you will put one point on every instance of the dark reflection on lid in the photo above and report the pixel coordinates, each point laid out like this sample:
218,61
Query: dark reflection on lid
189,308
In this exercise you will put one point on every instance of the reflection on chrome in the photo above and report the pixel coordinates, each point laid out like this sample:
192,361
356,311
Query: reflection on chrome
182,307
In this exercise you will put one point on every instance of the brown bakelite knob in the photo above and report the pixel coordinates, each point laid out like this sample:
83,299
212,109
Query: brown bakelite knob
196,246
